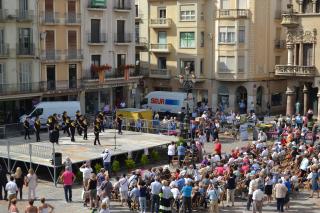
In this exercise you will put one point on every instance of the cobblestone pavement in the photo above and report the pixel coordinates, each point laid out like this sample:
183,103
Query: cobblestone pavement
55,196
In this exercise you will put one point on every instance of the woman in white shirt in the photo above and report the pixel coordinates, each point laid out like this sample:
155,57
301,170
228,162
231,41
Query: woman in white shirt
171,152
31,182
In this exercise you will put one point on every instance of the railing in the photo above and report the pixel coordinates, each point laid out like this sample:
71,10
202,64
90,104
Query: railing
159,73
114,73
280,44
294,70
161,22
51,54
25,15
72,18
60,85
4,50
232,13
122,38
50,17
25,49
19,88
97,38
160,47
74,54
122,4
290,20
3,14
141,41
94,5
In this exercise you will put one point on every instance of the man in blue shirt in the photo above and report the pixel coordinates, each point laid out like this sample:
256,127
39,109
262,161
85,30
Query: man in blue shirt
213,194
186,197
155,191
180,183
181,153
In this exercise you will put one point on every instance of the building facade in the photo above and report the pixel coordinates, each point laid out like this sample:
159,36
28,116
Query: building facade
301,70
19,68
109,42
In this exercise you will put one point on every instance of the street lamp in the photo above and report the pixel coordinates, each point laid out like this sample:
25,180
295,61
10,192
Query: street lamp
187,81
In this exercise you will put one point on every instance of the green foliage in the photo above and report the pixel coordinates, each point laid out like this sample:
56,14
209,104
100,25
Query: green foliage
130,164
181,140
79,176
155,155
97,167
115,166
144,160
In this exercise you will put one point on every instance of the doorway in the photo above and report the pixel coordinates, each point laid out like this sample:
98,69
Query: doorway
242,99
72,76
51,77
120,30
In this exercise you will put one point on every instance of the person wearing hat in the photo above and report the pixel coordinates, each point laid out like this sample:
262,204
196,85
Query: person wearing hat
72,129
96,131
106,157
37,126
84,127
26,126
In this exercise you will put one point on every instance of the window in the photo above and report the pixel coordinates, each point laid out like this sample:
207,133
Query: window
202,39
226,64
25,74
162,63
186,62
187,40
307,54
121,60
241,63
2,76
242,4
162,12
241,34
137,10
201,65
225,4
187,12
276,99
226,35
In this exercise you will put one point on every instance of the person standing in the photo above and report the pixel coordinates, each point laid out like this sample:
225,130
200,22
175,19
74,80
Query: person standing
26,126
106,157
119,125
67,126
37,127
19,179
181,154
217,147
155,191
257,198
86,172
280,191
186,197
44,207
171,152
12,189
31,208
123,188
214,193
3,183
314,182
92,189
78,121
231,186
31,182
142,196
13,206
67,178
253,184
73,129
96,131
85,129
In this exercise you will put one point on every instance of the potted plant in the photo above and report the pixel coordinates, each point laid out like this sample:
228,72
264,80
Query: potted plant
155,155
115,166
144,160
100,70
97,167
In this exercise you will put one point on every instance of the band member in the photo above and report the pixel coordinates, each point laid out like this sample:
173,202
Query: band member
119,125
55,134
84,127
67,126
50,123
37,126
72,129
64,122
79,119
101,117
96,130
26,126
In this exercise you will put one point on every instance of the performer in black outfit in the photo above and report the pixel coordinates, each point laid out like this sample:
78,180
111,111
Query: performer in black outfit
78,117
67,126
72,129
26,126
85,129
96,130
37,126
119,123
55,134
101,118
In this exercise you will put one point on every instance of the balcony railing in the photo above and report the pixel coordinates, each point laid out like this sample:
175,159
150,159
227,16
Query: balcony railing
97,5
279,44
50,17
160,23
48,86
26,49
141,41
290,20
4,50
122,5
19,88
122,38
74,54
161,48
25,15
113,74
73,18
3,15
51,55
160,73
295,71
232,13
97,38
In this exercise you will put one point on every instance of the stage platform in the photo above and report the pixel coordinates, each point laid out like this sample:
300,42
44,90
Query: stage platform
18,149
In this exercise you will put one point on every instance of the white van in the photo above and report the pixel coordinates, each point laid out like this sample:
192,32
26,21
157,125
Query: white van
172,102
45,109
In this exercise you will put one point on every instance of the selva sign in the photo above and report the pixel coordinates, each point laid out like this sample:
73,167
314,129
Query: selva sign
163,101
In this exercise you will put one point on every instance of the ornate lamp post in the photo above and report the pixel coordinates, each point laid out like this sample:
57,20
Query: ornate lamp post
187,81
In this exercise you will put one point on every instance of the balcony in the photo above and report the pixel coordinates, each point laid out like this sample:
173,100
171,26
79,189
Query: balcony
97,39
280,44
232,13
97,5
73,18
141,42
74,54
139,16
161,23
60,86
4,50
160,73
50,18
295,71
122,39
122,5
51,55
19,88
3,15
160,48
231,76
25,15
290,20
25,49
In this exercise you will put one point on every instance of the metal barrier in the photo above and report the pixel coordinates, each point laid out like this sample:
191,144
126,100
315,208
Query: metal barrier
11,130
